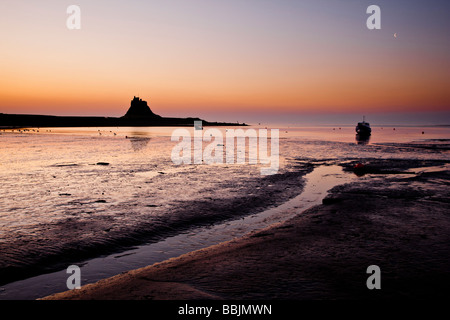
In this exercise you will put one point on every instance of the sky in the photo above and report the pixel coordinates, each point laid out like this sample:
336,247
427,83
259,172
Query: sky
233,60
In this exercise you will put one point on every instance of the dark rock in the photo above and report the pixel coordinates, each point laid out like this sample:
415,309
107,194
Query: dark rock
331,200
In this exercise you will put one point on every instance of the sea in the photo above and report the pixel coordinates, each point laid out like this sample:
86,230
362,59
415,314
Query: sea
112,199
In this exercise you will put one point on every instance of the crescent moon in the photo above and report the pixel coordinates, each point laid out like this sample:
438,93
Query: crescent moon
395,35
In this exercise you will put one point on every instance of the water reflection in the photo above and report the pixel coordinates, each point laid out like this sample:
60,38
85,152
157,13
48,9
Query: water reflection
138,143
362,139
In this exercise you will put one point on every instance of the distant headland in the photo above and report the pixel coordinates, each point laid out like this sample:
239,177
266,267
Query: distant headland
139,114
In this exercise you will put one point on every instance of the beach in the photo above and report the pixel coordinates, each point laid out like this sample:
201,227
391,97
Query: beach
111,201
398,218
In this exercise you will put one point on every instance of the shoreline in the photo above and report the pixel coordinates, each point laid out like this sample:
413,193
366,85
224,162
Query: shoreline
19,121
397,221
57,255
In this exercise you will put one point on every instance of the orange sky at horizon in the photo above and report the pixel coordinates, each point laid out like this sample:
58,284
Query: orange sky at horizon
176,64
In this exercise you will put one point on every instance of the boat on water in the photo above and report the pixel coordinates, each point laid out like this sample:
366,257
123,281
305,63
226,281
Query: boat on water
363,128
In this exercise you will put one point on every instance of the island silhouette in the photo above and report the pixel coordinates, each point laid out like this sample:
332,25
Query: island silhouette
139,114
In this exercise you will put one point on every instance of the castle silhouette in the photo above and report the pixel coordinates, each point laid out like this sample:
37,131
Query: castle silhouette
140,108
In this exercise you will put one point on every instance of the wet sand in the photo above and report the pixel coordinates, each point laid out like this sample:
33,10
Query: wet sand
90,231
400,222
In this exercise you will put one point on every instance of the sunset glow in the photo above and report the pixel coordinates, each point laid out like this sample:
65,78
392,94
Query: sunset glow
224,56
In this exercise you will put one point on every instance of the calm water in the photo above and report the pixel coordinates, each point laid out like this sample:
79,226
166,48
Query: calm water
74,193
